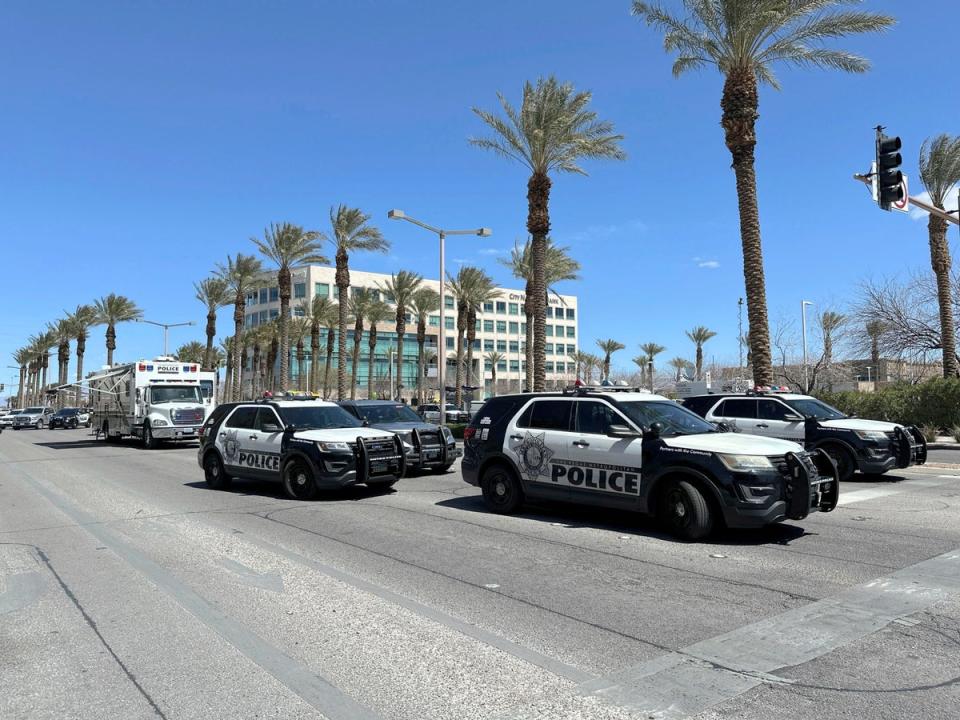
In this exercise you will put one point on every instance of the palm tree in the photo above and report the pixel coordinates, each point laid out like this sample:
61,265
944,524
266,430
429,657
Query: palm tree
400,290
699,336
192,352
258,340
111,310
744,39
22,358
288,246
226,345
81,320
641,362
593,363
320,315
609,347
332,322
875,330
351,232
484,290
940,173
62,332
651,350
560,266
299,329
241,273
492,359
214,293
462,288
579,358
377,312
552,131
680,365
359,303
425,302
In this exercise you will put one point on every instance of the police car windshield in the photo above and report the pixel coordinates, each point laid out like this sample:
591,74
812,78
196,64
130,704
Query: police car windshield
175,394
319,418
388,413
815,409
675,419
67,412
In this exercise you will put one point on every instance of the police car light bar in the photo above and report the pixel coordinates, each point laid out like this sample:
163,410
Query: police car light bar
763,390
579,389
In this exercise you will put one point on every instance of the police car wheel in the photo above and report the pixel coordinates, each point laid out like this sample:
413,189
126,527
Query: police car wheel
213,472
846,465
298,481
684,511
501,490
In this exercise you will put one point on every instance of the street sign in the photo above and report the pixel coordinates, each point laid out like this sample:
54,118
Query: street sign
903,204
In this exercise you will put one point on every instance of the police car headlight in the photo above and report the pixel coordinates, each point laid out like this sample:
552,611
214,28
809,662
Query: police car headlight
159,422
746,463
874,435
333,446
447,434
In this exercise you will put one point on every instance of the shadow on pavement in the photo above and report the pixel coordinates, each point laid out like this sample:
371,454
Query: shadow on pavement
622,521
71,444
262,488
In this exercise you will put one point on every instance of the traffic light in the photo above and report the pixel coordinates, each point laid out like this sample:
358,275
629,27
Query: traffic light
889,179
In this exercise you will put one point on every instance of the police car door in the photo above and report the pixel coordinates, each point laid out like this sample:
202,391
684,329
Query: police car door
535,441
265,441
775,419
739,413
235,442
603,470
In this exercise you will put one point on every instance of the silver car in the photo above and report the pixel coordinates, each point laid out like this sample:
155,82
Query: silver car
33,417
7,416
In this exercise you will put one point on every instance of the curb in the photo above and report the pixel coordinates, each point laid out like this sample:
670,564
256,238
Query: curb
943,446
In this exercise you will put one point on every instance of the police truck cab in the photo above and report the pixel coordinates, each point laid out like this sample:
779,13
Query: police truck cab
630,449
308,445
870,446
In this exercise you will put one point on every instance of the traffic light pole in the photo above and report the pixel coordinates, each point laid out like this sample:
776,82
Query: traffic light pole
927,207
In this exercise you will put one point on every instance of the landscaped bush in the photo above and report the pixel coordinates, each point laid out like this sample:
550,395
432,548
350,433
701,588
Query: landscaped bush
934,403
457,430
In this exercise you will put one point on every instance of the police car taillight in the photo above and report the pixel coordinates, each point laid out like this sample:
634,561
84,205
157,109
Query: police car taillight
468,432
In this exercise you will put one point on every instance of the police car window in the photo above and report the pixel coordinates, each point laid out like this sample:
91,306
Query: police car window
772,410
740,408
388,413
243,417
673,418
815,409
596,417
266,416
550,415
319,417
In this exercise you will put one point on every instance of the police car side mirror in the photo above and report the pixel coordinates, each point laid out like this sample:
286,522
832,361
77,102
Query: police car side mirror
721,427
366,423
622,431
653,432
270,428
790,417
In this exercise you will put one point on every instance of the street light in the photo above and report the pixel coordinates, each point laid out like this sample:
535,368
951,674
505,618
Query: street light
442,350
166,327
803,324
869,367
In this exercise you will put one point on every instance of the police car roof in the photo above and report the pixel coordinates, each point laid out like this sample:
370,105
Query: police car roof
784,396
284,402
593,393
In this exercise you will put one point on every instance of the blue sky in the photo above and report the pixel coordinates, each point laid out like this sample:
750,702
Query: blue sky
140,143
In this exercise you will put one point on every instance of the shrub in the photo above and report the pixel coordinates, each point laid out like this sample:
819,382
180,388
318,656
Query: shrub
934,403
955,432
457,430
930,433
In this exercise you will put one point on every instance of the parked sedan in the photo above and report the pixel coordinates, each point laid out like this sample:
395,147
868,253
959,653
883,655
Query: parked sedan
429,446
69,418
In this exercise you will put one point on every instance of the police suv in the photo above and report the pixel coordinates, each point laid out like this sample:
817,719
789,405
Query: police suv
630,449
869,446
308,445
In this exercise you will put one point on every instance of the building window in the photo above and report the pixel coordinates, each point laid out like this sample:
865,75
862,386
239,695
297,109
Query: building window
549,347
514,309
501,326
488,325
299,290
448,323
523,328
448,301
571,314
263,296
549,311
299,312
252,298
571,349
548,366
514,366
571,331
336,292
560,367
321,289
501,308
501,345
488,307
549,330
476,344
274,314
559,330
264,316
487,345
514,328
523,347
274,294
434,321
449,343
514,346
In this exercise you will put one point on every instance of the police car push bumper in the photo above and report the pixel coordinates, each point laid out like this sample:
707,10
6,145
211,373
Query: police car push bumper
369,461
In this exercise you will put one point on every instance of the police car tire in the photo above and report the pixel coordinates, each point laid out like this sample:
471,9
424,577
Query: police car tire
501,490
846,465
214,474
696,520
149,443
299,491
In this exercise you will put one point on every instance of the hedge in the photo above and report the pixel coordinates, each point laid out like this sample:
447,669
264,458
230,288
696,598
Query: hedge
457,430
934,403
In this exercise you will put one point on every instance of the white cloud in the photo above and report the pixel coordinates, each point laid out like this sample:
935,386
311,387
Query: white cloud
918,214
601,232
704,263
490,251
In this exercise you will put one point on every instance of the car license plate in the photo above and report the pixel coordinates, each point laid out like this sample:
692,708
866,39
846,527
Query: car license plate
378,467
433,454
188,431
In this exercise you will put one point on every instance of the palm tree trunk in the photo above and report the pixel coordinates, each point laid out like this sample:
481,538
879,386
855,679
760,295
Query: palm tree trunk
528,354
228,377
283,280
331,338
300,358
239,305
371,359
739,104
421,352
314,356
22,388
493,380
401,332
699,375
255,376
471,339
940,260
458,393
343,283
355,360
538,224
111,336
211,334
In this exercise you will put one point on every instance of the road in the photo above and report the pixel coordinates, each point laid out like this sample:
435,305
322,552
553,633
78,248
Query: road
130,590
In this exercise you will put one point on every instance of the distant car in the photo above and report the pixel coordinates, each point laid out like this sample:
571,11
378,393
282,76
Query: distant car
7,416
431,413
33,417
70,418
431,446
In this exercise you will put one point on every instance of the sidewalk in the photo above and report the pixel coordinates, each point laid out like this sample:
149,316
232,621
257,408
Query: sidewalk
944,442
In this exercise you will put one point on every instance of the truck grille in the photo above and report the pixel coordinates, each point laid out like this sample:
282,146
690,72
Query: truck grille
430,437
187,417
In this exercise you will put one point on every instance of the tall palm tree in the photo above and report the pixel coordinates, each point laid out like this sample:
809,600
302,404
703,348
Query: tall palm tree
298,330
551,132
484,290
680,366
226,345
22,358
940,173
81,320
699,336
744,39
424,303
377,312
289,246
352,231
63,334
609,347
593,363
559,266
319,314
462,288
641,362
192,352
492,359
241,273
579,358
400,289
359,304
214,293
651,350
113,309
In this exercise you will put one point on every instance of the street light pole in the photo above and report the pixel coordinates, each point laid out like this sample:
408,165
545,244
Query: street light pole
803,324
166,329
442,349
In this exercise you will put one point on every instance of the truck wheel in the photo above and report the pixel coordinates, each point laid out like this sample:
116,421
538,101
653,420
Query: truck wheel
684,511
214,473
298,480
502,493
149,442
39,425
846,464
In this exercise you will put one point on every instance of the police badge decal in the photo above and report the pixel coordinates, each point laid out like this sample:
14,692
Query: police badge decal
534,456
231,446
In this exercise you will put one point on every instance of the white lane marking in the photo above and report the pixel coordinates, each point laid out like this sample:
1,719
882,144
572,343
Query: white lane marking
904,486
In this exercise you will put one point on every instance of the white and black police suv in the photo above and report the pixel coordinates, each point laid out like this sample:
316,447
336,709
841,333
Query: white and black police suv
308,445
869,446
630,449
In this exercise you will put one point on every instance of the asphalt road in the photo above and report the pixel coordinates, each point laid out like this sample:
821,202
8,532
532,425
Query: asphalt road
130,590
